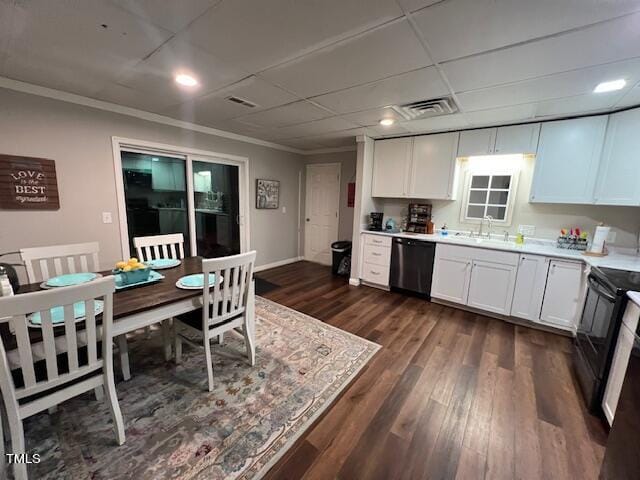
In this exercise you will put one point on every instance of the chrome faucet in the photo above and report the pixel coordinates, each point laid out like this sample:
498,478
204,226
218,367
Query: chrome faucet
489,220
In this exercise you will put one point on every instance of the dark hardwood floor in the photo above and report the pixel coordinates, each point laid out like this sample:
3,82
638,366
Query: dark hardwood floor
450,395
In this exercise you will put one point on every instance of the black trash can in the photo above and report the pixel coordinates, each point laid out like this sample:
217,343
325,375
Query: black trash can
341,251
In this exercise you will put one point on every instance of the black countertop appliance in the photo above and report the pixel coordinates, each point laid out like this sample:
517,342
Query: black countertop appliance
375,221
598,330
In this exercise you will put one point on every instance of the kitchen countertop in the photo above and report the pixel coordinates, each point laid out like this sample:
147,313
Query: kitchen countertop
635,297
615,259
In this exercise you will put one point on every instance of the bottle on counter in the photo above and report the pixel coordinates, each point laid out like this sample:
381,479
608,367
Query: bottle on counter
444,231
430,227
5,285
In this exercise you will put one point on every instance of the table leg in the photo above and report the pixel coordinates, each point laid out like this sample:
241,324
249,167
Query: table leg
166,337
123,353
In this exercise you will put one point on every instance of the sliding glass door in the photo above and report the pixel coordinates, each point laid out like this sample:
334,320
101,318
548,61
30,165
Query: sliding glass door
155,192
200,198
216,200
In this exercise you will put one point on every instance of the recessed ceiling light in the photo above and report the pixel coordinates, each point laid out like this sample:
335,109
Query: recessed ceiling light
186,80
387,122
611,86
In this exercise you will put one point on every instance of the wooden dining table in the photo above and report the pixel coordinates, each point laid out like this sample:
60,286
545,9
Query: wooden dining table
141,306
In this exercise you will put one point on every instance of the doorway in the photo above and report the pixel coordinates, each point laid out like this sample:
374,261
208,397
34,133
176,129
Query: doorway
322,202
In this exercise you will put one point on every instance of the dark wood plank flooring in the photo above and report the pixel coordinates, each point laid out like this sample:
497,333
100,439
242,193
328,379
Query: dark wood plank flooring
451,395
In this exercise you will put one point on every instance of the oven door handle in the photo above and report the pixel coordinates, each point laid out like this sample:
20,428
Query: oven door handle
596,286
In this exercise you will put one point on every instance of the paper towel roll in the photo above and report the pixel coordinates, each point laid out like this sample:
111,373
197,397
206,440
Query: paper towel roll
599,237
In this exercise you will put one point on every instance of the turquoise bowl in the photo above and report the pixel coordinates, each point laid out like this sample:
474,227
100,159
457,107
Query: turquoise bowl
133,276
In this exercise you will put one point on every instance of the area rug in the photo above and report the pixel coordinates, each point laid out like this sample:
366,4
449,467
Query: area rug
176,429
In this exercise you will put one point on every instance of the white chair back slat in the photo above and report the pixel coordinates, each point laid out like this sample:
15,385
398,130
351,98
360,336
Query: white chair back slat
159,246
24,350
71,338
90,327
48,341
230,296
14,309
60,259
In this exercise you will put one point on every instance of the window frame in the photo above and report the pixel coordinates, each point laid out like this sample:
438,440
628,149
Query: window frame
511,194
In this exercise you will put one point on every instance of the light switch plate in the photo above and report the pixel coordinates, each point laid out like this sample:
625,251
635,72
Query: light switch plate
527,230
106,217
284,209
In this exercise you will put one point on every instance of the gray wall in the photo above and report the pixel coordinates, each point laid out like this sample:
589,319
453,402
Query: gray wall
347,174
78,138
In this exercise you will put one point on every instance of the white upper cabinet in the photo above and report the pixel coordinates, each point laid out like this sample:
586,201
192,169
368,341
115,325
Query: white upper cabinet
499,141
619,174
391,167
419,167
433,166
568,159
563,294
477,142
517,139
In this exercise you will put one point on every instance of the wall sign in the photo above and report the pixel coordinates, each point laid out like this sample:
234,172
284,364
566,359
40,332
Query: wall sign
28,183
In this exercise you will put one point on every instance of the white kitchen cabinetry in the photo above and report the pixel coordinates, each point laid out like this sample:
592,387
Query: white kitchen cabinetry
563,294
529,288
451,275
568,159
517,139
419,167
620,361
619,174
500,140
391,167
433,166
477,142
491,286
376,259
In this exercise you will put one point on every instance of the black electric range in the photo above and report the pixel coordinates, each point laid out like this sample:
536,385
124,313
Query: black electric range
598,329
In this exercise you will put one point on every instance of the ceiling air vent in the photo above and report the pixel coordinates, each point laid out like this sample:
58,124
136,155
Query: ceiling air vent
427,108
242,101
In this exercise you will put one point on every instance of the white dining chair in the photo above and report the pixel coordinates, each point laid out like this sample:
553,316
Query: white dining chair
159,246
228,306
155,247
34,375
42,263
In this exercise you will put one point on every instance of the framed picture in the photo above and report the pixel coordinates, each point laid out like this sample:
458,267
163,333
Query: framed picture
267,193
28,183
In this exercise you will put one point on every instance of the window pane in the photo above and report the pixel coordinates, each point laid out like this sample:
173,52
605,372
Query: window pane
478,196
480,181
498,213
501,181
475,211
498,198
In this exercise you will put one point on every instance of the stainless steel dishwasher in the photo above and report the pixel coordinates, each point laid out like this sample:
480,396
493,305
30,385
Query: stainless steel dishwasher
412,266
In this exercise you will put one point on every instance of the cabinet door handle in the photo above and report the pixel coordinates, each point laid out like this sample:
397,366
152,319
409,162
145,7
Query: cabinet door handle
375,273
376,254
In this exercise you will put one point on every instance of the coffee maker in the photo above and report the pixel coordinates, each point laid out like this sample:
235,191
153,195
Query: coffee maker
375,221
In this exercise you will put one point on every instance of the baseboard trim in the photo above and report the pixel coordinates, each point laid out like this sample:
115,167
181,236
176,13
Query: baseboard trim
354,281
279,263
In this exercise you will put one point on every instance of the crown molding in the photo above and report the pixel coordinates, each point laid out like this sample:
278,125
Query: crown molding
32,89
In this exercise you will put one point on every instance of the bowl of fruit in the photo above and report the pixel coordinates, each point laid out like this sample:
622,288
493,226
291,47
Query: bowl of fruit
132,271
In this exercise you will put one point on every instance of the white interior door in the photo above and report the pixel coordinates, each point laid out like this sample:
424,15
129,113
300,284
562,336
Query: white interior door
321,211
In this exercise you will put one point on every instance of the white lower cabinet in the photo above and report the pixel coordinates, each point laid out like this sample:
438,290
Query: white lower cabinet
491,286
376,259
529,288
451,277
563,294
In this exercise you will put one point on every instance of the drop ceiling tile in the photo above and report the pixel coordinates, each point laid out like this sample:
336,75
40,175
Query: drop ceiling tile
395,129
293,113
68,48
129,97
413,5
377,54
588,103
496,116
302,143
421,84
317,127
458,28
156,73
216,106
630,99
258,34
444,122
373,116
568,84
173,16
604,43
